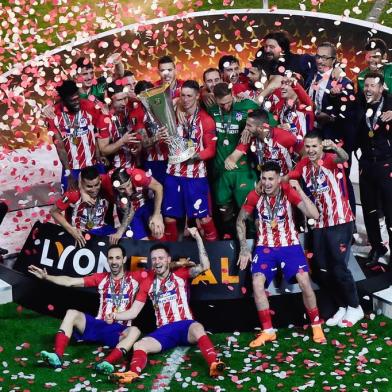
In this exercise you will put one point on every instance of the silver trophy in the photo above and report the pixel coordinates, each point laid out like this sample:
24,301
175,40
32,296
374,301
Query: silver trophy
159,106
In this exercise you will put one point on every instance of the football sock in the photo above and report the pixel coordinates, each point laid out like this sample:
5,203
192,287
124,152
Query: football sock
171,232
139,361
265,319
314,315
207,349
115,355
210,233
60,342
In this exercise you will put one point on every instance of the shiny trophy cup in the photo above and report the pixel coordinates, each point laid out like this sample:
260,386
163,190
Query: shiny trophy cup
159,105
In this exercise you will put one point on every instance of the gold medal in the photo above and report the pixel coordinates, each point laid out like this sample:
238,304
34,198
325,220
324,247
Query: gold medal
371,134
274,223
75,140
90,225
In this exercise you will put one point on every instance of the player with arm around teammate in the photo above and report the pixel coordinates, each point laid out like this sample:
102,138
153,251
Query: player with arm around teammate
117,290
176,327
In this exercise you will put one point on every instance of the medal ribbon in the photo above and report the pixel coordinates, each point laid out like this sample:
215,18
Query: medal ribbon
190,125
272,212
376,116
72,127
121,127
117,298
91,213
314,176
156,292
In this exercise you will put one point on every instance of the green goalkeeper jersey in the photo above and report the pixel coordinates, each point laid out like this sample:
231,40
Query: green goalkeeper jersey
229,127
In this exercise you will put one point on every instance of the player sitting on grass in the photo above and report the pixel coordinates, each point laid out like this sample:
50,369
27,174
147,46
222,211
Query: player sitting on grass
117,290
168,291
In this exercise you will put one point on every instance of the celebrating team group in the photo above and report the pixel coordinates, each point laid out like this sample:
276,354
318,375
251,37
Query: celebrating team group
272,153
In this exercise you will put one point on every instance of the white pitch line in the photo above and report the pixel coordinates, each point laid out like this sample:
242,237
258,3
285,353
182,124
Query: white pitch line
169,370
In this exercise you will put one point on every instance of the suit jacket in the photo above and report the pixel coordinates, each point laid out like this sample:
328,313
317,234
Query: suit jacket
341,107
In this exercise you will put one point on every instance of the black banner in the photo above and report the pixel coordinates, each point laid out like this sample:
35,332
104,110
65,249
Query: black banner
50,246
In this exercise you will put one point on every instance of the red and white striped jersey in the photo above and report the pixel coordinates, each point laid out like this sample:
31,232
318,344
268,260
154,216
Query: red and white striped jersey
299,114
114,295
158,151
279,147
326,185
120,123
169,296
276,225
140,182
82,215
201,130
78,132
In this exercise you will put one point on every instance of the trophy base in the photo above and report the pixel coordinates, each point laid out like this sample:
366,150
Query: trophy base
182,156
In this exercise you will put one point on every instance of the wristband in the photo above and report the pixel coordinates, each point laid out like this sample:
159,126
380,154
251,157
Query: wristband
67,173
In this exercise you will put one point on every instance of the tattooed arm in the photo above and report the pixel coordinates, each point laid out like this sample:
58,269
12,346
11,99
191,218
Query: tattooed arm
245,255
126,220
203,256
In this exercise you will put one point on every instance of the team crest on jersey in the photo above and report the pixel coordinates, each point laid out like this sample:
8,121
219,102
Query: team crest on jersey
169,285
82,128
238,116
167,296
322,184
274,153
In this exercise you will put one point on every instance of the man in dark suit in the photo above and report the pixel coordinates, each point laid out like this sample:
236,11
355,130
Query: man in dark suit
333,95
375,165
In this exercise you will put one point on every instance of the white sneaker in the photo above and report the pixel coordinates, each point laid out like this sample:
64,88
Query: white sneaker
352,316
337,317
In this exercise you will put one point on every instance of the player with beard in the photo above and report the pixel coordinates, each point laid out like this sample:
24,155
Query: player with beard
277,245
325,182
85,208
73,130
128,81
269,143
168,291
186,189
117,290
233,177
292,106
229,67
121,139
138,213
167,73
211,77
155,151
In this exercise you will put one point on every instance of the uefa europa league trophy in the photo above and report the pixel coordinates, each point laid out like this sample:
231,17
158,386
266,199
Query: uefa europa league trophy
159,105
